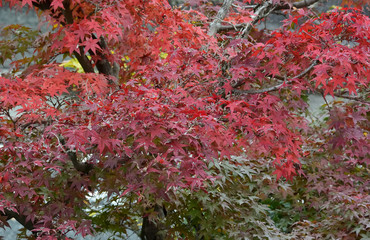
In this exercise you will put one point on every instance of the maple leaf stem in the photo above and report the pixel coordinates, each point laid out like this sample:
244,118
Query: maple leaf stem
44,122
263,90
326,102
354,98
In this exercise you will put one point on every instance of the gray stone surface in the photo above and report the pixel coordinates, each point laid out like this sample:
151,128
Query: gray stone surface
23,17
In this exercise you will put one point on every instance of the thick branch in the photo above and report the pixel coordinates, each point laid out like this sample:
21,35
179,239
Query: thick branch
102,64
231,27
20,218
81,167
261,11
84,168
152,229
224,10
301,4
84,61
67,12
29,225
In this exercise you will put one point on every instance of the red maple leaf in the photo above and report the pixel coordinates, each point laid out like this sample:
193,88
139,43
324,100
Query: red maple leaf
57,4
91,44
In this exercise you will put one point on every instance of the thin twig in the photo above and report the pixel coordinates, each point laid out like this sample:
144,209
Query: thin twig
278,86
357,98
326,101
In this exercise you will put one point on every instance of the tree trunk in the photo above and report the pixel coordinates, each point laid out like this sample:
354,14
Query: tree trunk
152,228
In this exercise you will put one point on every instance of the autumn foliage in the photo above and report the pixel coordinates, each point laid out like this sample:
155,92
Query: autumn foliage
189,120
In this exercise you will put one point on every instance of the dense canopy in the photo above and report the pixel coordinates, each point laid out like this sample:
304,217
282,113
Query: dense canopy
186,120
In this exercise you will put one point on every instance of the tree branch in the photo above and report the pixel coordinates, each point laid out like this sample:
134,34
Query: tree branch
84,61
224,10
84,168
29,225
278,86
301,4
81,167
245,7
263,90
357,98
260,12
20,218
231,27
102,64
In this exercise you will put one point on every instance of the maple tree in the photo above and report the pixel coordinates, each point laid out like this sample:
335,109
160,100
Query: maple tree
185,121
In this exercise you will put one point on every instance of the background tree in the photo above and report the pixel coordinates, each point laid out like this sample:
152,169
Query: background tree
173,120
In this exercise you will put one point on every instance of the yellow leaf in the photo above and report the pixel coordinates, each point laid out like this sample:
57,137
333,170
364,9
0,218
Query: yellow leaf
163,55
74,64
92,214
126,58
56,25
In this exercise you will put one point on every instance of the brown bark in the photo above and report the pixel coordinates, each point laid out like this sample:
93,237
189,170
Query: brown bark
152,229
